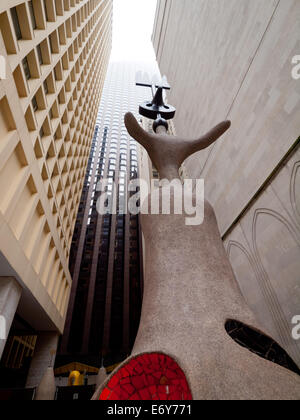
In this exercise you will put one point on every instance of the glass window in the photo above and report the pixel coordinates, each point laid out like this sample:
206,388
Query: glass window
46,12
33,21
15,19
39,53
34,104
51,45
56,8
46,87
26,68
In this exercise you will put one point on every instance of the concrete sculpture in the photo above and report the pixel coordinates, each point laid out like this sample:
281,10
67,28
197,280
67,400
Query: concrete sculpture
190,293
46,389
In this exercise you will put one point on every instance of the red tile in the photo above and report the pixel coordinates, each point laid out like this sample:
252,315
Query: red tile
139,368
124,373
154,358
157,375
117,389
172,388
176,382
156,367
137,382
144,378
145,394
175,396
105,394
172,365
170,374
135,397
153,390
129,388
113,382
148,369
129,369
146,359
148,377
151,380
113,397
125,381
162,389
123,395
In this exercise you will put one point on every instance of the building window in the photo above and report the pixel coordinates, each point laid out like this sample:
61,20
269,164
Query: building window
56,8
46,87
34,104
32,15
40,56
15,19
46,12
26,68
52,46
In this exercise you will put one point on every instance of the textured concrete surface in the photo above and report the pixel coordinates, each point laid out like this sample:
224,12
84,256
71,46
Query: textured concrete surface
101,377
232,59
264,250
10,293
190,292
43,358
46,389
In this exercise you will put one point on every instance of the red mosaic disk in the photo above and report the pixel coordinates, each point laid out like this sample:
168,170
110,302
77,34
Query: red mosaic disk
148,377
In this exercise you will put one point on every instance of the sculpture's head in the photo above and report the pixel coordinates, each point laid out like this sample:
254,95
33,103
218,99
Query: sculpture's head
168,152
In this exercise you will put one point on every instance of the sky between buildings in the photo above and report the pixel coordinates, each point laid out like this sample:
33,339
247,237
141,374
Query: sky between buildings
132,29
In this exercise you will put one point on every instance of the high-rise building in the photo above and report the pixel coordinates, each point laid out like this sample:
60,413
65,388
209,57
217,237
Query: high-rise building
55,55
235,59
106,259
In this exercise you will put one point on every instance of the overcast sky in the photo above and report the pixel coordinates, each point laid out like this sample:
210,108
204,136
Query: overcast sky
132,29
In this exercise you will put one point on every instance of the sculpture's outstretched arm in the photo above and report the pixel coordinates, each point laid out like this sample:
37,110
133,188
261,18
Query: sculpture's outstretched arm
193,146
169,152
137,132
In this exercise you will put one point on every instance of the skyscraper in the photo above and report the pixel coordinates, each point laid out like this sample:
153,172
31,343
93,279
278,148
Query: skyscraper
56,54
106,259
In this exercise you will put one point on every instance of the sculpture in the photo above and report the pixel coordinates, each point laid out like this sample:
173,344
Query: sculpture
190,293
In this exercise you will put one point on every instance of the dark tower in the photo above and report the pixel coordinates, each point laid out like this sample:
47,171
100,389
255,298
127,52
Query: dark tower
106,257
